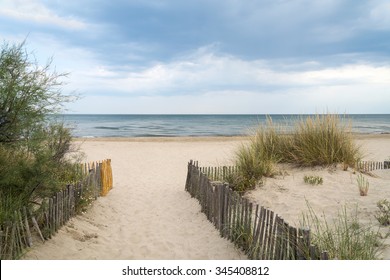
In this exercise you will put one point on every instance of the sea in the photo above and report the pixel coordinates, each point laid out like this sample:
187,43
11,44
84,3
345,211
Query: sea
91,126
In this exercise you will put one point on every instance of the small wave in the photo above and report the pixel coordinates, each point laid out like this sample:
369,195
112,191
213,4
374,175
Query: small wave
153,135
107,127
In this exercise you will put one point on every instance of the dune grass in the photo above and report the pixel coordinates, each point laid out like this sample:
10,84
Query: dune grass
323,140
363,185
319,140
256,160
344,238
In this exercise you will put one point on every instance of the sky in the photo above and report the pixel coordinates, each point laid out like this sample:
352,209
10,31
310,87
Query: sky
211,56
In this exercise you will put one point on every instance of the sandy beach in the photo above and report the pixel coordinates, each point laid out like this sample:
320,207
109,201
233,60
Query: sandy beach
148,215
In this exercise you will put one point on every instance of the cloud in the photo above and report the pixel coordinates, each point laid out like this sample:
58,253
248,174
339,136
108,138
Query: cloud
36,12
379,15
203,72
208,82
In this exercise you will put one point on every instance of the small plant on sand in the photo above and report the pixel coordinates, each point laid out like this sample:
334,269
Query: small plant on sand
313,180
363,185
383,214
344,238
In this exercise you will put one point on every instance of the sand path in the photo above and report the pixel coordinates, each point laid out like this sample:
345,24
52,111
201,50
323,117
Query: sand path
147,215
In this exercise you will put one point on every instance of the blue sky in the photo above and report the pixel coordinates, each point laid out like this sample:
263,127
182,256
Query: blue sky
211,56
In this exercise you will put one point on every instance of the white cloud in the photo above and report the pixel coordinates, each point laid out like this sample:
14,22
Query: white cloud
210,83
380,15
35,11
219,73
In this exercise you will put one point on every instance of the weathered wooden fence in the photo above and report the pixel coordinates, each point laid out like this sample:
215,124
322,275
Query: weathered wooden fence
261,233
221,173
368,166
55,211
98,174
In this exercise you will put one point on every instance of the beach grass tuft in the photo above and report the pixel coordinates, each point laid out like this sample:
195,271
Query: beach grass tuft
313,180
363,185
323,140
344,238
383,214
319,140
258,159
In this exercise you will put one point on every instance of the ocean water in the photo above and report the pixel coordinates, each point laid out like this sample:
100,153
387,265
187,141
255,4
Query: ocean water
198,125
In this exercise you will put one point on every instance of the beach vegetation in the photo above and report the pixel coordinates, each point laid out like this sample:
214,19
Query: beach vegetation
344,238
320,140
35,151
242,236
313,180
363,185
85,200
323,140
383,213
252,165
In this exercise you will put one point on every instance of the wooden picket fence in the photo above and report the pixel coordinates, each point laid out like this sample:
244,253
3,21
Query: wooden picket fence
261,233
221,173
99,174
54,212
367,166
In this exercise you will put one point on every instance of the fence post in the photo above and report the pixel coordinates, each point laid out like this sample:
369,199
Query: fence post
324,255
303,245
1,245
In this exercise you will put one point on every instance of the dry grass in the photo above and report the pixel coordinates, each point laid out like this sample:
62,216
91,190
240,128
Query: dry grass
363,185
344,238
323,140
315,140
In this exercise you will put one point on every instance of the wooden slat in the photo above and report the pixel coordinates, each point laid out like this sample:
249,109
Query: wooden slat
273,237
278,238
293,243
269,234
262,242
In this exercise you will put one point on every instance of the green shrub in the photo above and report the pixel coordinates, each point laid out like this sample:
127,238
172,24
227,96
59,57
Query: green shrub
34,152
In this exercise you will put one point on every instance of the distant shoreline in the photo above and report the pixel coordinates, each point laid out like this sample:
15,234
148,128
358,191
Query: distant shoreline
163,139
357,136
